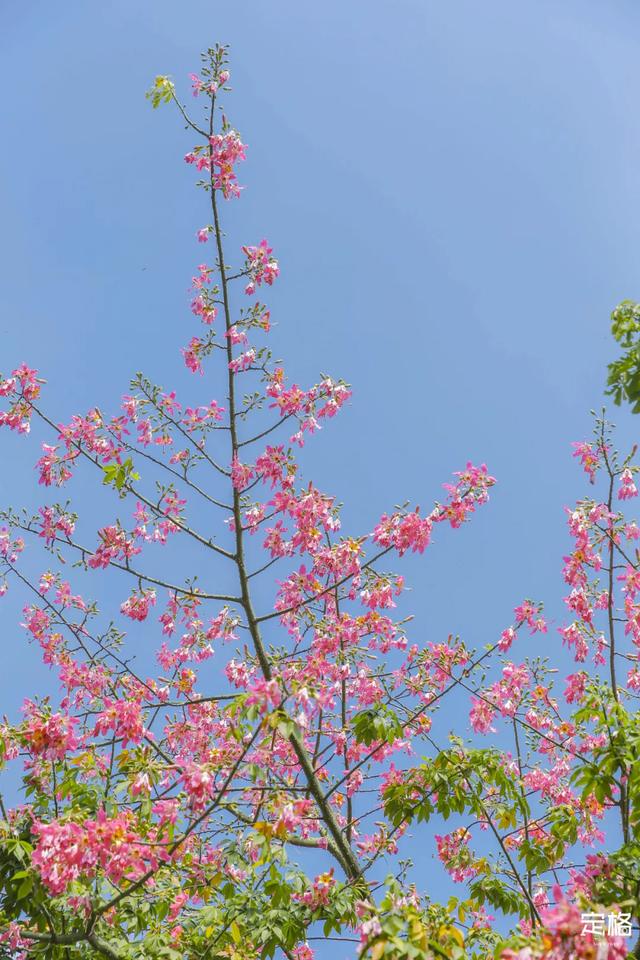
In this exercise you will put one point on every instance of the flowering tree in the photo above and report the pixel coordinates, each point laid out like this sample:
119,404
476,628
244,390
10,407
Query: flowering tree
252,808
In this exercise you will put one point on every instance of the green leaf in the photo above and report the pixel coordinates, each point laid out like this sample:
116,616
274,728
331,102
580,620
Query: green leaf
119,474
160,92
623,374
25,888
379,724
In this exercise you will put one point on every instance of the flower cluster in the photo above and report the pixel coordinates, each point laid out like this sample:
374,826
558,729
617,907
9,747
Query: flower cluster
210,86
225,151
51,736
260,266
68,851
21,388
410,531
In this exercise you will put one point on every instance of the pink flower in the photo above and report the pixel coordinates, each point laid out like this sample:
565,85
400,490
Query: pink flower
529,613
53,469
166,810
176,906
454,853
573,636
260,266
239,674
51,737
318,894
115,546
303,952
192,354
198,783
408,532
22,387
264,693
124,718
628,488
589,458
273,465
19,946
481,716
576,683
241,474
196,83
236,335
68,850
225,150
563,919
141,785
10,548
243,361
506,639
138,604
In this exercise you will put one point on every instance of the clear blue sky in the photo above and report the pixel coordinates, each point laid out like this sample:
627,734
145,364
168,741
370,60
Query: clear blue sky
452,190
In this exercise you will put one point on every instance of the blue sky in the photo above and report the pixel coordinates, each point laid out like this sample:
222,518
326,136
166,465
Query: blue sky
452,192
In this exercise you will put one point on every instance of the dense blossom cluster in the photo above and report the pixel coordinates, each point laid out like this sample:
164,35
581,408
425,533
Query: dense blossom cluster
67,851
260,266
225,150
410,531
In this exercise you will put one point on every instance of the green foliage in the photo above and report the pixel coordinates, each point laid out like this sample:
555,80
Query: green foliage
493,890
623,380
19,883
261,922
119,475
443,785
404,930
161,91
616,757
377,725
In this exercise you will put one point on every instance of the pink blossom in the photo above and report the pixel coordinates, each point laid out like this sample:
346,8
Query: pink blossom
68,850
576,683
124,718
628,488
588,456
225,150
198,783
260,266
303,952
20,946
243,361
454,853
136,607
564,919
408,532
264,693
51,737
192,354
506,639
241,474
318,893
481,716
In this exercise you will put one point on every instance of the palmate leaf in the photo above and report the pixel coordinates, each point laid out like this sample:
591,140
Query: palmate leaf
623,377
377,724
160,92
119,474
